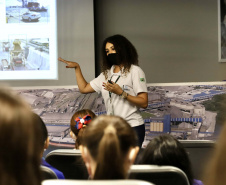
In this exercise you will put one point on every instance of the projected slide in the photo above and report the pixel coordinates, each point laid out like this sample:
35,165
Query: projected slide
28,39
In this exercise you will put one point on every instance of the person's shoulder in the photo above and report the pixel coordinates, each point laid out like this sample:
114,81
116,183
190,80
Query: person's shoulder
100,76
44,163
135,68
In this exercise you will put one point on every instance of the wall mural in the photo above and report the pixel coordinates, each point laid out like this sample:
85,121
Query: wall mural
186,111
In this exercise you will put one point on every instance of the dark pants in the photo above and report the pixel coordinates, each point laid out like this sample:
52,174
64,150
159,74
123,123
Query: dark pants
140,130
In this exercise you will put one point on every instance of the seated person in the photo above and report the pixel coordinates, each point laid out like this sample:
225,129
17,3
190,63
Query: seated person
44,140
20,149
168,151
109,147
79,121
216,168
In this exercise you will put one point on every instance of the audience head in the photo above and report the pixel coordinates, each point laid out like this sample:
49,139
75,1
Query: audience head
20,149
216,168
109,147
168,151
79,121
44,138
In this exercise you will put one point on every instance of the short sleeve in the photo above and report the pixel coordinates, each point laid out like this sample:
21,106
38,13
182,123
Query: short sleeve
139,80
96,83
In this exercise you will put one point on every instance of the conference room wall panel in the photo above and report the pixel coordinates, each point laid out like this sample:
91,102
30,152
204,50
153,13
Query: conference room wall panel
177,41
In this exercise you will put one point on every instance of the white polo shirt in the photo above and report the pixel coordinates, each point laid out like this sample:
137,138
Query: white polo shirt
133,83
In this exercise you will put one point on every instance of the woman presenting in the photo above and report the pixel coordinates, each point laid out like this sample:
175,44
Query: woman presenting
122,82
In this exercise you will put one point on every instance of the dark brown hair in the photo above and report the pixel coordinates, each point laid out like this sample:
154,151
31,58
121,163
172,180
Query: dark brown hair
41,125
166,150
19,147
127,53
108,140
79,132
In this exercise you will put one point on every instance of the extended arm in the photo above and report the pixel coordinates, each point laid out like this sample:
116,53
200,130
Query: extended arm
83,86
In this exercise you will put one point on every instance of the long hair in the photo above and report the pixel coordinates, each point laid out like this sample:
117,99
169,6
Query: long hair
215,169
108,140
124,48
19,147
166,150
79,132
44,132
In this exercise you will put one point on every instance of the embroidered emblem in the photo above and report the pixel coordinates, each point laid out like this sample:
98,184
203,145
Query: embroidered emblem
142,79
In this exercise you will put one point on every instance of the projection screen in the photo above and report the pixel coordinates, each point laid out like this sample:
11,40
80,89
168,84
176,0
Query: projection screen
28,44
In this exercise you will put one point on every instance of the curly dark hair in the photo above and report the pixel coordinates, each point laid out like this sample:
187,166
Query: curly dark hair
124,48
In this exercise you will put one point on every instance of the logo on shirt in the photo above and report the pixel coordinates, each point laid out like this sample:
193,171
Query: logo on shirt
142,79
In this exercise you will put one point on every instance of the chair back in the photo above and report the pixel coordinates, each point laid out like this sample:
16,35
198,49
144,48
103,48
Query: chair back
47,173
159,175
69,162
95,182
199,153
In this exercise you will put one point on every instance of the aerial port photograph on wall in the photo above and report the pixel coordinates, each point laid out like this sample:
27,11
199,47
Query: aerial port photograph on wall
188,112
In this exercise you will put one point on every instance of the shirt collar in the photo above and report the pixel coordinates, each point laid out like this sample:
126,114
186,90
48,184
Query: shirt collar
116,74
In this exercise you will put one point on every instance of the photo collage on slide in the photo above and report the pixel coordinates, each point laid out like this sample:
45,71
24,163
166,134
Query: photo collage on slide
27,39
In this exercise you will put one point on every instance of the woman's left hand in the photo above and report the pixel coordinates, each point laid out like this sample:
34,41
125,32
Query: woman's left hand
113,87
